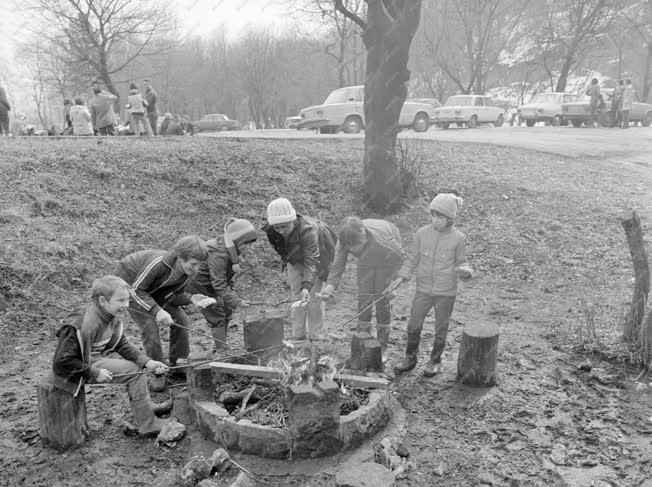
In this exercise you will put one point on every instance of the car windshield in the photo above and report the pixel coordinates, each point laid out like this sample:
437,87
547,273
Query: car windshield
547,98
216,118
340,96
465,101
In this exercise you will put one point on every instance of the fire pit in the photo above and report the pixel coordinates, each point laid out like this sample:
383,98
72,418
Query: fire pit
289,409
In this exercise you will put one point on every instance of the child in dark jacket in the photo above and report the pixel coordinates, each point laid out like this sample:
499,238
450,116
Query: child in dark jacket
158,279
306,247
377,245
215,276
437,256
87,339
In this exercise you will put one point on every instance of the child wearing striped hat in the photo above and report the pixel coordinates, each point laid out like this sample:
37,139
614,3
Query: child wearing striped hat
215,276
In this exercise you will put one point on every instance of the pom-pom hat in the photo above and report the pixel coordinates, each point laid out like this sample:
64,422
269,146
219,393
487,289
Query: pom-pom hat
446,204
280,211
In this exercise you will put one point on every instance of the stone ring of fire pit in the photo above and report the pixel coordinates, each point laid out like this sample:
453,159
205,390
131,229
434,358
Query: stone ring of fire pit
315,427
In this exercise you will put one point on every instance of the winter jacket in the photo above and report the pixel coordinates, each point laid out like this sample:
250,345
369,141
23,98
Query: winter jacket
81,120
174,128
628,98
87,330
102,112
380,259
151,97
215,276
164,126
137,103
311,244
594,93
4,104
435,255
150,275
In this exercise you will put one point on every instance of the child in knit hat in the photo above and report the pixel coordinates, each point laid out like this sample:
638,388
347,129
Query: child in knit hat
437,255
215,276
306,246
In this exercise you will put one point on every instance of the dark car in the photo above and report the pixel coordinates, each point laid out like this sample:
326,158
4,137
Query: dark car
216,121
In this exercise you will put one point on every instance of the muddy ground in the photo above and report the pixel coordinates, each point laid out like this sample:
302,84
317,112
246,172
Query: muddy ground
543,234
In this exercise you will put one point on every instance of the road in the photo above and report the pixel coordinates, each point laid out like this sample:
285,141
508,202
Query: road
567,141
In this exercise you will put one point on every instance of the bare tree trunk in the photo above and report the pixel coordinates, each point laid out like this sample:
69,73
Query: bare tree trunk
563,74
390,28
632,225
645,88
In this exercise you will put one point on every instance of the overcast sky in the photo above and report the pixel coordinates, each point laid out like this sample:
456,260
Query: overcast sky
196,17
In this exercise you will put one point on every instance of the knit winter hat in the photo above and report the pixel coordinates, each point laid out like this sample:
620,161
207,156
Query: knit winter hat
280,211
238,232
446,204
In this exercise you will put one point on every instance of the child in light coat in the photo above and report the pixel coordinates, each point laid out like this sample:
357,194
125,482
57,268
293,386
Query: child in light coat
437,256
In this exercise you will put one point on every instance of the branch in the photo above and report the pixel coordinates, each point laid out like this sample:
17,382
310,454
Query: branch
339,6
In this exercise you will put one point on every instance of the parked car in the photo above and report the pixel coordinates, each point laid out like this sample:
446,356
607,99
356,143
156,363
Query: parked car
292,122
579,112
343,110
544,107
468,109
433,102
215,121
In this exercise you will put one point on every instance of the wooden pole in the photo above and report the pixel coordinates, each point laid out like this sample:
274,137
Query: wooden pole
62,417
478,354
632,331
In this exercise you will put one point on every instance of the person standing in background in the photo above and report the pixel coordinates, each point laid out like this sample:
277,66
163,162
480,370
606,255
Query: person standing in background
152,113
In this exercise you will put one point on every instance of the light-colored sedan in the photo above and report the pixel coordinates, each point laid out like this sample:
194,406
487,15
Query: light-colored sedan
544,107
343,110
471,110
579,112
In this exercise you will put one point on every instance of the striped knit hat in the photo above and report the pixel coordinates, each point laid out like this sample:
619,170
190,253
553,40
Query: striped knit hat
238,232
280,211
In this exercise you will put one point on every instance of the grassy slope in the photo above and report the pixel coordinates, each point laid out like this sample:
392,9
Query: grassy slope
542,232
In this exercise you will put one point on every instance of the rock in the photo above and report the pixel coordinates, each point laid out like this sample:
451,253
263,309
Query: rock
243,480
401,449
207,483
386,443
589,462
439,471
172,432
558,454
485,478
221,460
400,473
383,457
199,466
394,462
365,475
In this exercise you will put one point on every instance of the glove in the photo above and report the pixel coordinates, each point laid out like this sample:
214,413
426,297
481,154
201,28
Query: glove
243,304
326,293
164,318
157,367
104,376
305,296
201,300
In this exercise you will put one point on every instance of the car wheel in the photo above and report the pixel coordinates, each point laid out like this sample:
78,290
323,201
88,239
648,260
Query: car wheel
576,123
500,121
530,123
556,120
352,125
473,123
460,124
444,125
647,120
325,130
420,123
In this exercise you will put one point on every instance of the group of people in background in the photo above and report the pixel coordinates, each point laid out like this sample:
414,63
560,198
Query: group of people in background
621,102
155,285
100,118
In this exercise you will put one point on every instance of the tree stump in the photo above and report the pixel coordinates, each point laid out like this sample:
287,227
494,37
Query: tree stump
62,417
478,354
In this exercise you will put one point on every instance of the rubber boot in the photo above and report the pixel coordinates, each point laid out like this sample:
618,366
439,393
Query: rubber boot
148,423
382,333
364,327
432,369
410,360
219,335
161,408
157,382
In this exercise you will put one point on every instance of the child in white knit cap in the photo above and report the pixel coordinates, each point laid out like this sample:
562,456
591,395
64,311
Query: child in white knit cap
437,256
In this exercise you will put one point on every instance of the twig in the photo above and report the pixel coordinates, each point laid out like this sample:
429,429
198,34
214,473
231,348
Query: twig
246,398
250,475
